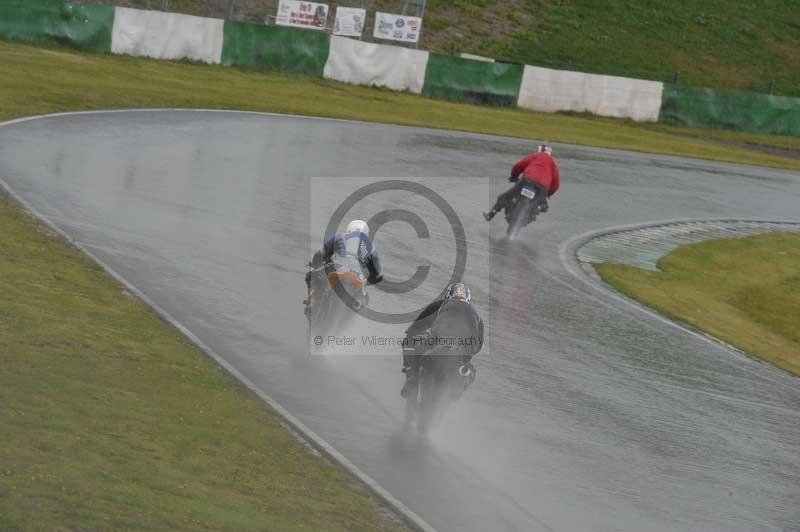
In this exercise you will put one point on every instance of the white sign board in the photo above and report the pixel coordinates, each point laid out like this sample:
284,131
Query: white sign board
349,21
309,15
397,27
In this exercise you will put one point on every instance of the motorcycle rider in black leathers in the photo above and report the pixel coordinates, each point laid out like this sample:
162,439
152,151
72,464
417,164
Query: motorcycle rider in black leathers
450,316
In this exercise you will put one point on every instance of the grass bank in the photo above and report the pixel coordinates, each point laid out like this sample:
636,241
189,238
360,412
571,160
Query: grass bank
744,291
56,79
713,43
111,420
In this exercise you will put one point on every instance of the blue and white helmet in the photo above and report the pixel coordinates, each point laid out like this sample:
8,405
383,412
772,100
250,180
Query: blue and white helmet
353,237
357,226
458,291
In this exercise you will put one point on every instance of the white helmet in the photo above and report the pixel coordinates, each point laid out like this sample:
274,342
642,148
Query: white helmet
546,149
357,226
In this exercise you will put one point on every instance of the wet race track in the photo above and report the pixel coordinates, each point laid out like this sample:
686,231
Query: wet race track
587,414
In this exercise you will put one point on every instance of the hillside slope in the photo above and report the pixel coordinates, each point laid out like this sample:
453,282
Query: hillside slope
714,43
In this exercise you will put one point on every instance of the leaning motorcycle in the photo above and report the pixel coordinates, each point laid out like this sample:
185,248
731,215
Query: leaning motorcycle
523,208
335,298
443,377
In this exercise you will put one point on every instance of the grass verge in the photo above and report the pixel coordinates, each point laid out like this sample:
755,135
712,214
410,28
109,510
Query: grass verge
57,79
112,420
745,291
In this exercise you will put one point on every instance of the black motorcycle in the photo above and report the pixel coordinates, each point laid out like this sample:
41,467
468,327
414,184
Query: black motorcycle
336,296
523,208
443,377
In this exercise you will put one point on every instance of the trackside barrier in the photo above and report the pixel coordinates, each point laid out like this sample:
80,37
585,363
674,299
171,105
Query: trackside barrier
548,90
468,80
166,35
275,48
363,63
84,27
746,111
174,36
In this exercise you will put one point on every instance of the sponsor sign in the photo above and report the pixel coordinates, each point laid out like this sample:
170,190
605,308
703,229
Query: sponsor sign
349,21
397,27
309,15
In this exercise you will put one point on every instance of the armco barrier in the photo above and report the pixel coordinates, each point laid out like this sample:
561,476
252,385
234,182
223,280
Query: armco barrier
467,80
84,27
746,111
276,48
166,35
548,90
363,63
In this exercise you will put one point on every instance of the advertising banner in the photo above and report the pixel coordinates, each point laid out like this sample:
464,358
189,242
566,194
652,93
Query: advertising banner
310,15
349,21
397,27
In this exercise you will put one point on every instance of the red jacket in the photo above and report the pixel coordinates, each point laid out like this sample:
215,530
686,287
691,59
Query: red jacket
541,168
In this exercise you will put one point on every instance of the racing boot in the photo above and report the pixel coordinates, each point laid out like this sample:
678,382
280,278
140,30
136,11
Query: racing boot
494,210
543,207
489,215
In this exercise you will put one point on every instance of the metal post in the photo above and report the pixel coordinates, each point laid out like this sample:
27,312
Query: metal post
229,10
772,86
420,14
676,77
164,5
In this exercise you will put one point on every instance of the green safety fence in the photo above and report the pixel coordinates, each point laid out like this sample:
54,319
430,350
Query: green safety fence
481,82
273,47
740,110
86,27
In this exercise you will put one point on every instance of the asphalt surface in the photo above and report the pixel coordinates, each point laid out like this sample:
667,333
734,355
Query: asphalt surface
587,414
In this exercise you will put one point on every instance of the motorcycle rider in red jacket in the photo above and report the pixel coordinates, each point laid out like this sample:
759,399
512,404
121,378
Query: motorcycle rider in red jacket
539,171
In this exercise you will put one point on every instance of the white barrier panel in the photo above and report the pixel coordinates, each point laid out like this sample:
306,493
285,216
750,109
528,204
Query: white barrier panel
363,63
548,90
166,35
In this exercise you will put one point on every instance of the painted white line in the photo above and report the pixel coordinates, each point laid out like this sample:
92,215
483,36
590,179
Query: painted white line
404,512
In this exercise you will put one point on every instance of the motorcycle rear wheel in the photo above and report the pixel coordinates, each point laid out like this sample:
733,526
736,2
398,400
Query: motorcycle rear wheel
519,217
431,393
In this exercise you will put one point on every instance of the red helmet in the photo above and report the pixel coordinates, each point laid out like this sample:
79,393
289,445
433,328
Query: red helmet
546,149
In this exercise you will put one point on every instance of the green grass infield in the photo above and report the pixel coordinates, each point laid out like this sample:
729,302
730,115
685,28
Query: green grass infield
745,291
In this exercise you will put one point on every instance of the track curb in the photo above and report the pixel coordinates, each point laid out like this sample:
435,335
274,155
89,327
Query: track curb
585,272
